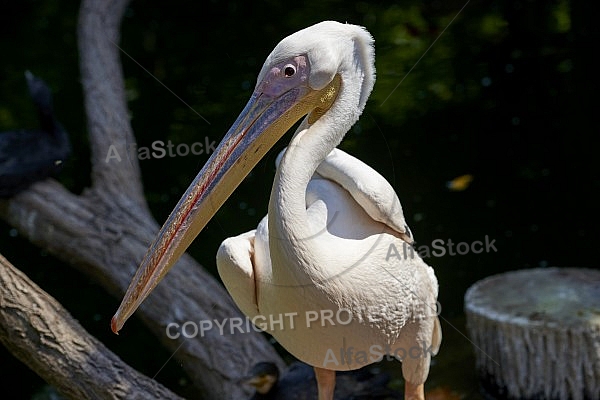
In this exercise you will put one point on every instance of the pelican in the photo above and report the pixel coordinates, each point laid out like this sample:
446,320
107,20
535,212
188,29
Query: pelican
317,272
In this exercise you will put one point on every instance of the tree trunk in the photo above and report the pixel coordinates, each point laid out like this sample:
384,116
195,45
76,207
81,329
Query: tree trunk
537,333
44,336
105,231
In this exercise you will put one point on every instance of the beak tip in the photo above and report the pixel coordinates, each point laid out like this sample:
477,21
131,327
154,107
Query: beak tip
114,325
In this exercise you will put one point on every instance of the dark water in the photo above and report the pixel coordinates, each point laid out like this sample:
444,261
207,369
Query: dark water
504,95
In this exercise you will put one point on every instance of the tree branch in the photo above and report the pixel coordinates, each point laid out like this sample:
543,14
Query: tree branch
44,336
104,95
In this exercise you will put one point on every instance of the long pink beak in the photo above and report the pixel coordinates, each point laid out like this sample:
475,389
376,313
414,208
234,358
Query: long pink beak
262,122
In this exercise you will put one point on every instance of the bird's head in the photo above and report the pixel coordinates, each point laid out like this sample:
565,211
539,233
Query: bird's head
263,376
40,93
312,57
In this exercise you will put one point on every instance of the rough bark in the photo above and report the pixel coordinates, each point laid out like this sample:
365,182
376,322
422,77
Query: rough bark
537,333
104,95
44,336
105,231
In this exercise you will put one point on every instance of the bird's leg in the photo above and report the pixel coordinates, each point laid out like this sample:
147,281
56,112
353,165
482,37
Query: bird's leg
325,383
414,392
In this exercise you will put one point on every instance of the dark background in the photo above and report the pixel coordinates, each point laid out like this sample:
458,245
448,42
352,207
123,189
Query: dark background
505,94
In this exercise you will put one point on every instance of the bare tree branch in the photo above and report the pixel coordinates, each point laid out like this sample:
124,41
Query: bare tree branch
44,336
104,94
105,232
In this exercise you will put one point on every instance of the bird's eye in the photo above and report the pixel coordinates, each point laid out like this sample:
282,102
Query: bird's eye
289,70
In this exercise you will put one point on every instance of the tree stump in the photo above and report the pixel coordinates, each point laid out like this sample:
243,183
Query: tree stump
536,333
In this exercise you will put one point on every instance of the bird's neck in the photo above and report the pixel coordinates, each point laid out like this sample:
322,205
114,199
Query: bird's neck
48,123
288,219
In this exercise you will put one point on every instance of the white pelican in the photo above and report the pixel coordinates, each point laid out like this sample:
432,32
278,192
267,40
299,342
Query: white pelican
317,272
